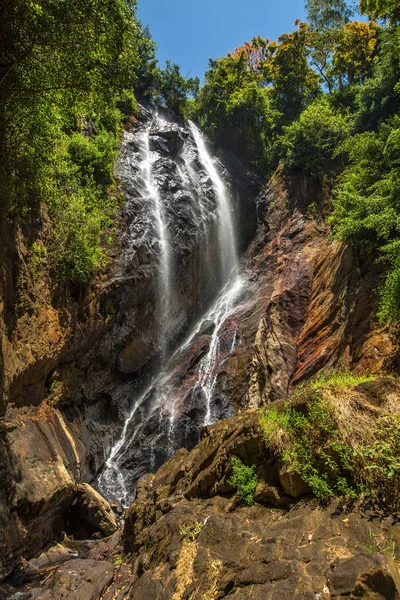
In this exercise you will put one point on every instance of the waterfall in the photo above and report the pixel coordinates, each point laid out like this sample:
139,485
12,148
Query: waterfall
203,202
152,198
226,235
208,365
111,480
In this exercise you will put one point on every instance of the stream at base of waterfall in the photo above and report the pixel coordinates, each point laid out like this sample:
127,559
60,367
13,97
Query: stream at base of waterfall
184,392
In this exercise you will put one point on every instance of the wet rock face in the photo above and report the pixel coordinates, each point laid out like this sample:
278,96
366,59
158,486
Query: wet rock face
99,351
306,304
159,163
311,305
170,266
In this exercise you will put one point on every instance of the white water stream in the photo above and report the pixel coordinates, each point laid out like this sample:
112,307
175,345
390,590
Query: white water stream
152,198
228,254
112,481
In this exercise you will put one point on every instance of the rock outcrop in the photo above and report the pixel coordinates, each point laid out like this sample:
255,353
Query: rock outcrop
308,303
71,361
42,459
187,537
313,303
186,530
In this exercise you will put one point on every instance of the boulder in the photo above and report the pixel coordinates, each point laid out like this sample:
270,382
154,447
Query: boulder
42,460
292,484
90,513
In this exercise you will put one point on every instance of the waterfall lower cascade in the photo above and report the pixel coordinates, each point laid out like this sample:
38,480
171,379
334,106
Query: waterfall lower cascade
183,226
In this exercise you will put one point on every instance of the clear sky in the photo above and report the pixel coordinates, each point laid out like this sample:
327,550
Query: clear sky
189,32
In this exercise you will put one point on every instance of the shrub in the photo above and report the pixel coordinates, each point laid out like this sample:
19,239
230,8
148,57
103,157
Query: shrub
36,255
190,533
93,156
244,479
81,204
366,207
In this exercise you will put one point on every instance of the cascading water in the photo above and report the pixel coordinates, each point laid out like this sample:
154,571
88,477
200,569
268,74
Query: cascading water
152,198
226,231
161,418
207,371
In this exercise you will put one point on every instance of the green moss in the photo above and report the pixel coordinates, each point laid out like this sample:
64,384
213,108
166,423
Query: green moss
339,380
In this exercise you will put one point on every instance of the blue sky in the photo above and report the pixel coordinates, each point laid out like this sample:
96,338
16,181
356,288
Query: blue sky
189,32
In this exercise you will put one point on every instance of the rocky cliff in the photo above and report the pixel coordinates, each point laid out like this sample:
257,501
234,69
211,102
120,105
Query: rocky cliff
305,304
73,365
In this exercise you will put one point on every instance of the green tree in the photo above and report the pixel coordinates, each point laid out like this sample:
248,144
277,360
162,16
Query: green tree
378,98
234,108
381,9
63,67
250,94
366,206
173,88
327,19
294,83
328,14
58,62
309,144
353,57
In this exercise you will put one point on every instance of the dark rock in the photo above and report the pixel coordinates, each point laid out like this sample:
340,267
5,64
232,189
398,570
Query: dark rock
83,579
365,576
292,484
269,495
44,460
90,514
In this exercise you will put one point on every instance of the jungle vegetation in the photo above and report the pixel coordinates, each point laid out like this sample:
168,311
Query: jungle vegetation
323,100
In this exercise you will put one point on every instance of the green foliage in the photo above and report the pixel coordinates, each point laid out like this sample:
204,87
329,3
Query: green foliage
324,439
65,67
366,207
53,386
328,14
173,88
381,9
378,98
308,443
328,20
118,561
190,533
294,83
310,143
337,380
37,254
249,95
235,110
244,479
80,204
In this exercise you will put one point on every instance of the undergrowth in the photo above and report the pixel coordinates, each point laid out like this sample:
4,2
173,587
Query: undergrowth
190,533
244,480
335,443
